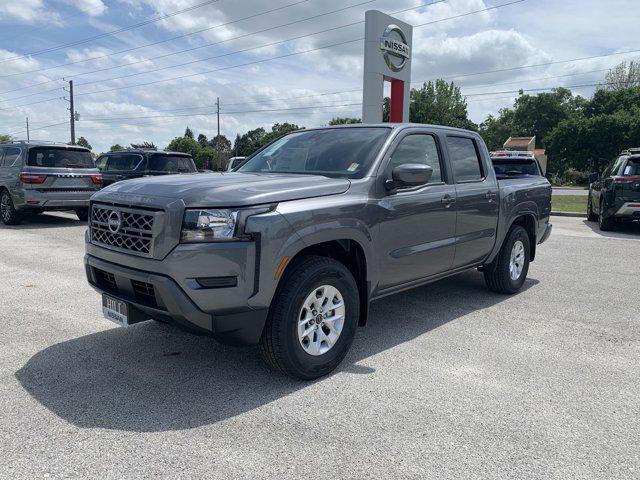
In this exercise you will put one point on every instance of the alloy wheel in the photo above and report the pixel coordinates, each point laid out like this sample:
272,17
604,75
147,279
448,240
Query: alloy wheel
516,262
321,320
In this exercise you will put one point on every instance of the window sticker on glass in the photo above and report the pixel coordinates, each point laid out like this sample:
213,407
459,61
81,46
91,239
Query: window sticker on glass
627,170
353,167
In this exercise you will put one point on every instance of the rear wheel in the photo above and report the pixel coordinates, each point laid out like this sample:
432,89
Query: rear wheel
507,273
605,223
82,213
591,215
312,320
8,213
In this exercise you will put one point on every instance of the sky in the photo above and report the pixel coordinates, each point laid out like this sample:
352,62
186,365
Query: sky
270,61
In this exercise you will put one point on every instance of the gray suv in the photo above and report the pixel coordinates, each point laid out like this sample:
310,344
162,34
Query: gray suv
288,250
38,176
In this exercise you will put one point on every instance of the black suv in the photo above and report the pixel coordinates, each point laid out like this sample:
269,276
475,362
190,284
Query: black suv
614,196
134,163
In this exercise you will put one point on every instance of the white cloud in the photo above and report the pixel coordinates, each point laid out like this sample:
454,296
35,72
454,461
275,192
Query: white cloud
90,7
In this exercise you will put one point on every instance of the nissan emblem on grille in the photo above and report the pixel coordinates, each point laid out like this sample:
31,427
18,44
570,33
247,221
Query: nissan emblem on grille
122,228
114,221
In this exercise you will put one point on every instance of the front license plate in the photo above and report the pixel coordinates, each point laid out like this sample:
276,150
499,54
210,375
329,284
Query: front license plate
115,310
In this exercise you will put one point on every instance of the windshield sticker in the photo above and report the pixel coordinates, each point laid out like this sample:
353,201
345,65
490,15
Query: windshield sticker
353,167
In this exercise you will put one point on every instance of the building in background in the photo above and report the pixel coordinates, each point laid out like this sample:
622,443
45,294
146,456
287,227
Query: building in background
527,144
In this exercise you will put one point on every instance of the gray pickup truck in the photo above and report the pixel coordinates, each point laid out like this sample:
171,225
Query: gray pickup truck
288,250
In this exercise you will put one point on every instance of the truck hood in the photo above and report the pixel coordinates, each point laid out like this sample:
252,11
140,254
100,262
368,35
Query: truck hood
225,189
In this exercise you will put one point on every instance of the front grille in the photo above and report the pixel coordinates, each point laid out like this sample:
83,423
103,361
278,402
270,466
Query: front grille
145,293
122,228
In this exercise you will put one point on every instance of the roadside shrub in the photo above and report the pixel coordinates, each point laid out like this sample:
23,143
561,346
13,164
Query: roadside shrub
573,176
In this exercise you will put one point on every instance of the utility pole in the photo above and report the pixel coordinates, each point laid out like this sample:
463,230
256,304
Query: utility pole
218,113
28,130
72,118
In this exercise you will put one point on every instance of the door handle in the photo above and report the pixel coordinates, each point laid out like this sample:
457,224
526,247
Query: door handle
448,200
491,196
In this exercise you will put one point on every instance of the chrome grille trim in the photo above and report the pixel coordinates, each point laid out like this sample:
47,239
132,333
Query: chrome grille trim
135,234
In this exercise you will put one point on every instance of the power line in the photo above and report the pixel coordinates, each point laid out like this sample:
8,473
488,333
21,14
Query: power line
108,34
99,57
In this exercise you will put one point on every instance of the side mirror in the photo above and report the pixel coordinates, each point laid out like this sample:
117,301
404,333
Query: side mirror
409,175
593,177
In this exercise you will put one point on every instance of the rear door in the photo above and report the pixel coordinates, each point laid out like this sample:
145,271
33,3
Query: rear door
416,233
477,200
121,166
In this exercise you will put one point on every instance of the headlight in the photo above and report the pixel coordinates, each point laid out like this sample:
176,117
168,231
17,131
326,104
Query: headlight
209,225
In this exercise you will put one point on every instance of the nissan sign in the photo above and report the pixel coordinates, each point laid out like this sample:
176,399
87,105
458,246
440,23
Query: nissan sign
393,44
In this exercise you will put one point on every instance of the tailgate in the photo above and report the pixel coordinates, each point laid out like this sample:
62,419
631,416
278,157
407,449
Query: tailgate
61,180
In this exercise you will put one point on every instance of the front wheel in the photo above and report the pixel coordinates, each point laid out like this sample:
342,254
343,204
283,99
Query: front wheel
8,213
507,273
313,318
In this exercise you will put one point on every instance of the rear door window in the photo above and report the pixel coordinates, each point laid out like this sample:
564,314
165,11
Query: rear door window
465,160
51,157
123,161
171,163
11,155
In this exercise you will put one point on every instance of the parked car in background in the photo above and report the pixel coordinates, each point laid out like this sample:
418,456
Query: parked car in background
288,250
235,162
515,164
142,162
40,176
614,196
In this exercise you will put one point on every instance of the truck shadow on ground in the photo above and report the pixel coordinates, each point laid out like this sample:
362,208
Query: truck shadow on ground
153,377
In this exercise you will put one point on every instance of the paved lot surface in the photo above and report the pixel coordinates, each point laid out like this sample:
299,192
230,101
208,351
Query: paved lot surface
446,381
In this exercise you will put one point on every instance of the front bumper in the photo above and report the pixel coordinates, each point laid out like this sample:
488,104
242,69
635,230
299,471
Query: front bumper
158,296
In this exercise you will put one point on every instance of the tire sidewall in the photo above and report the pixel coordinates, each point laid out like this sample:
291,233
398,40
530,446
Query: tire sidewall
12,209
517,233
339,277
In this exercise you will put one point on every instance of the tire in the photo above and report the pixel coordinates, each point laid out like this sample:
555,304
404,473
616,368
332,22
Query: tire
605,223
82,214
591,215
498,274
8,213
283,344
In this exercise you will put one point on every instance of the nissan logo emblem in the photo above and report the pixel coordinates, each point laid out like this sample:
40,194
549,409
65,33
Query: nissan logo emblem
395,49
114,221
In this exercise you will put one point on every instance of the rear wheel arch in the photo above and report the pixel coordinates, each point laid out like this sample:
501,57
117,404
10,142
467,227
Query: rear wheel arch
529,223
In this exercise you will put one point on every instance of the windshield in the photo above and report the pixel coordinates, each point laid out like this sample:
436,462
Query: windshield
332,152
171,163
515,167
52,157
632,169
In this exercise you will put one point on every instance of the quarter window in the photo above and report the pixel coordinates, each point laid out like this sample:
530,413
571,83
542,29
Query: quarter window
465,160
421,149
11,154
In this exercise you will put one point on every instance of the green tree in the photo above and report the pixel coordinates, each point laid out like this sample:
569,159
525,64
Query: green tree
439,103
188,133
82,142
185,145
496,130
221,144
116,148
344,121
202,140
5,138
623,76
249,142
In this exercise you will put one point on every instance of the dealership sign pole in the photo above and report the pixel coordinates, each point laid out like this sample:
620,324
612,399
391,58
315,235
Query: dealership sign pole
387,58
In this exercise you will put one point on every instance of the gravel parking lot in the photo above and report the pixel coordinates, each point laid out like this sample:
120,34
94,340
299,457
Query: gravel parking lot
446,381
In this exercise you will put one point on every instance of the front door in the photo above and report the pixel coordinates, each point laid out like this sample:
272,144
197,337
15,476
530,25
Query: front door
417,231
477,201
